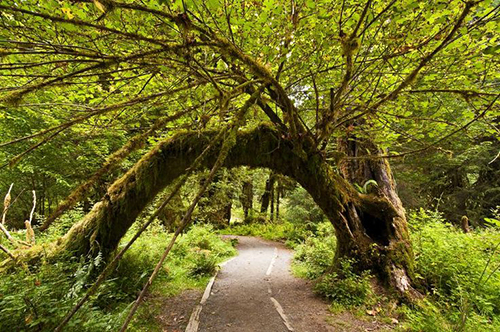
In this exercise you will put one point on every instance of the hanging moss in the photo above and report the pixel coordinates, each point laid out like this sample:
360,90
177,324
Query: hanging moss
263,146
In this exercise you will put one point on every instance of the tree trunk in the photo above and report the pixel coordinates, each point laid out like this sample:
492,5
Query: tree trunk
271,198
227,212
171,215
215,207
370,228
246,198
377,239
464,224
86,205
266,196
278,192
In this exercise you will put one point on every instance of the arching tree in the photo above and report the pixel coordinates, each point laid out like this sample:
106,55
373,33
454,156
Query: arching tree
337,89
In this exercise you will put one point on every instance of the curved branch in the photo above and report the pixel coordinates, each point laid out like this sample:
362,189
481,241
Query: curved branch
135,143
425,60
260,147
433,144
80,23
100,111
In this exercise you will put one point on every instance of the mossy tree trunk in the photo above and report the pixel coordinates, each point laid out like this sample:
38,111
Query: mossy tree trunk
216,205
246,198
377,233
268,191
171,215
370,228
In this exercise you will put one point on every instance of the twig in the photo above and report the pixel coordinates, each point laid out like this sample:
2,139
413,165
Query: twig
5,250
6,203
496,157
426,59
431,145
30,234
6,232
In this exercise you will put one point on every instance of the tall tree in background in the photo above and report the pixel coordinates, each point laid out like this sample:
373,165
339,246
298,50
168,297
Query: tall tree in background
267,196
330,91
246,197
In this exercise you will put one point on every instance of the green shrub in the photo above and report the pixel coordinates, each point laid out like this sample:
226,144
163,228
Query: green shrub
344,286
459,271
202,263
285,231
301,208
37,299
316,254
204,237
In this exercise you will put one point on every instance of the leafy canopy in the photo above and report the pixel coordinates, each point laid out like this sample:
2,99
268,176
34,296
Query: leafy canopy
408,74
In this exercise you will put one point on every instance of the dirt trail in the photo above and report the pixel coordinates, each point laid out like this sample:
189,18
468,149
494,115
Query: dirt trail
255,291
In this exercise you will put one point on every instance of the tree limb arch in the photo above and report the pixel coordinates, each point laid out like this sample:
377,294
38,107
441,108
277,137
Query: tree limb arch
370,227
262,146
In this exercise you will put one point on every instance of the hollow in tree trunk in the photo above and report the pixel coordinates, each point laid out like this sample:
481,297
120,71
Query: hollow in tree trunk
376,233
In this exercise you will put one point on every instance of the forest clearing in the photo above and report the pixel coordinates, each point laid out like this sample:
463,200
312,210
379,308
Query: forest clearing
237,165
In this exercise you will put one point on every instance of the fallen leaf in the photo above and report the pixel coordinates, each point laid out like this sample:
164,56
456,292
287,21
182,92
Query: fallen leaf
371,312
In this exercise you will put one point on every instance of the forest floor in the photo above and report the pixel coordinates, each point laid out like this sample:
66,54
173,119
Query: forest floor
256,291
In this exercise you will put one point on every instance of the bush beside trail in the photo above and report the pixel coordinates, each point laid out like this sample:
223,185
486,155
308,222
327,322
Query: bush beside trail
36,299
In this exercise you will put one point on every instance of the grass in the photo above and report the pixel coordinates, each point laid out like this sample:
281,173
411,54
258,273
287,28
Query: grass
291,234
37,298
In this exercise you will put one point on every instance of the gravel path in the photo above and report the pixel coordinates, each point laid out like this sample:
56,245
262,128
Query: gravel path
256,291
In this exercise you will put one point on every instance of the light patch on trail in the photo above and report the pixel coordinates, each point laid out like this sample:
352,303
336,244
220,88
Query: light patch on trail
280,311
277,305
270,268
194,320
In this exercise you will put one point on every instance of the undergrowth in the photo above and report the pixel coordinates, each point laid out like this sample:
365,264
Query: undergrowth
36,299
459,273
283,231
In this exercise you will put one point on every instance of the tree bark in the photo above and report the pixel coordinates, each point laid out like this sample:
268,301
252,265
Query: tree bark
266,196
278,193
271,198
215,207
370,228
172,214
377,239
247,197
464,224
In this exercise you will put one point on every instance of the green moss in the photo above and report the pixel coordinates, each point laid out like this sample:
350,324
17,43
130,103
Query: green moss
401,256
263,146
